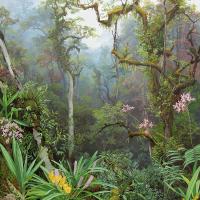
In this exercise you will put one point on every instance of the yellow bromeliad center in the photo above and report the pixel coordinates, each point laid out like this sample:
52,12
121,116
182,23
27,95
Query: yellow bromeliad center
196,197
60,181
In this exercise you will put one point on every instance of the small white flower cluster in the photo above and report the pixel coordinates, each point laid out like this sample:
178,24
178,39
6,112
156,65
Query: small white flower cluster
182,104
127,108
145,124
11,130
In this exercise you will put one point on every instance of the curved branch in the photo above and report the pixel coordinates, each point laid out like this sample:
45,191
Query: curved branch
141,134
120,124
130,133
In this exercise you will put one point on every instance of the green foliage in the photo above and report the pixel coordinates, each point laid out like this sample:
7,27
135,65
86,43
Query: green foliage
109,114
160,149
5,19
33,101
25,106
188,157
192,156
7,109
19,167
192,190
119,162
131,182
175,172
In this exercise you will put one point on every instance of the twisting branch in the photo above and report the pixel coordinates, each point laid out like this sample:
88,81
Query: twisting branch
72,37
116,11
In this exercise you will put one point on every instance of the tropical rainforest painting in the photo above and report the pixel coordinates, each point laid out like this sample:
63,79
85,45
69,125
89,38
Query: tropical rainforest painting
100,99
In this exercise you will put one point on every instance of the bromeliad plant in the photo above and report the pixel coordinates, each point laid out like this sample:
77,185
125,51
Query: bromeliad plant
67,183
19,167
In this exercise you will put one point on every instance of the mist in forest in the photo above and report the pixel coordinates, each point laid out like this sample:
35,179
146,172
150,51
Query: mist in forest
120,78
96,81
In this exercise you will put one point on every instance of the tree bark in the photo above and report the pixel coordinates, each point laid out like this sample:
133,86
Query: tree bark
77,91
168,124
64,81
43,151
7,58
8,62
70,116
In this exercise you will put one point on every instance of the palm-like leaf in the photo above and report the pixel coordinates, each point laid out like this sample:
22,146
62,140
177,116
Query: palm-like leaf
192,156
18,167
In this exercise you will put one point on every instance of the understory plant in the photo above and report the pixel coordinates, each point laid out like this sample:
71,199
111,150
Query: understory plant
6,102
19,168
131,183
7,108
182,173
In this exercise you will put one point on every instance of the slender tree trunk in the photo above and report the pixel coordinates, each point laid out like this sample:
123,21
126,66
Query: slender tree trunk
43,151
77,95
7,58
116,65
8,62
168,124
63,79
70,115
117,79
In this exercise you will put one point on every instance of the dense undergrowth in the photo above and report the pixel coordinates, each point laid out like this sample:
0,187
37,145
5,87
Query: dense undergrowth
110,174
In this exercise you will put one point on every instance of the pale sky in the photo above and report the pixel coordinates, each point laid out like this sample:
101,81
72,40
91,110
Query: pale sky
105,36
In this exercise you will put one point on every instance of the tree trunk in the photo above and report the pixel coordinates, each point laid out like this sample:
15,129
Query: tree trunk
8,62
70,116
168,125
43,151
77,94
64,81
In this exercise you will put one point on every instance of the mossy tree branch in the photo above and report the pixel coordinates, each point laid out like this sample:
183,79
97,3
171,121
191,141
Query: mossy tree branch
116,11
135,62
132,134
